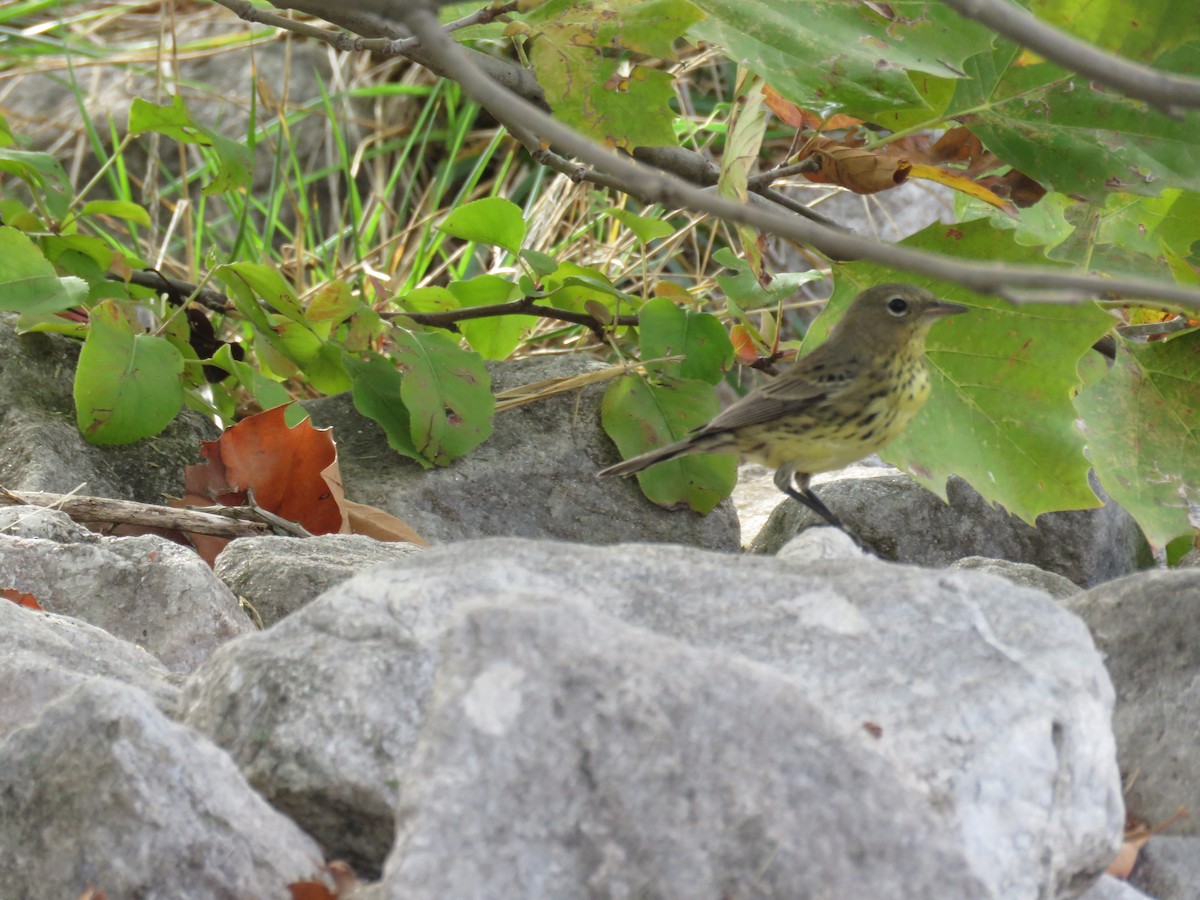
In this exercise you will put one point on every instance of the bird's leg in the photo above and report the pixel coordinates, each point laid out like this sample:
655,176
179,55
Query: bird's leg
795,485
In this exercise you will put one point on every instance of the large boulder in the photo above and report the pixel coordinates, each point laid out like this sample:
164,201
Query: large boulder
990,698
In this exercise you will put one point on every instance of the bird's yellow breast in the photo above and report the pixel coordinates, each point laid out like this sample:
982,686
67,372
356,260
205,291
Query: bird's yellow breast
850,425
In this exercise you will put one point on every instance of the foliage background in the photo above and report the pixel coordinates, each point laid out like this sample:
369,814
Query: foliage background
420,239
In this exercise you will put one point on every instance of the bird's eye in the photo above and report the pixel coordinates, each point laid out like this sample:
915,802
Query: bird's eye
897,306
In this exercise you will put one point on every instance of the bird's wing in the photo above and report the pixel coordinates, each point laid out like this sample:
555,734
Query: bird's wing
813,379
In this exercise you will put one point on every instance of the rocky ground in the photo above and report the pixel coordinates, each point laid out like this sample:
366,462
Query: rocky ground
573,693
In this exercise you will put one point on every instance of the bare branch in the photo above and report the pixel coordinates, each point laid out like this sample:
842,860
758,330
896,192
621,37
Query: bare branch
1165,91
128,512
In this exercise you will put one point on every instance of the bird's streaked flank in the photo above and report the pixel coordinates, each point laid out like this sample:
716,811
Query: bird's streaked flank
844,401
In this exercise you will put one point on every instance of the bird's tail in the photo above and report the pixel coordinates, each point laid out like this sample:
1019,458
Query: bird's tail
696,443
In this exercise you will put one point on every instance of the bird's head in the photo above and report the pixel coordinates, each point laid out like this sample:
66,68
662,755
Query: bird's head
894,314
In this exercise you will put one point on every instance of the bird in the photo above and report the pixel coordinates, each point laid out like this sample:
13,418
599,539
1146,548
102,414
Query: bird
845,400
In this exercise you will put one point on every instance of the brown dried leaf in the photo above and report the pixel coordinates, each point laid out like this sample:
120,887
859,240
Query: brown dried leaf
856,169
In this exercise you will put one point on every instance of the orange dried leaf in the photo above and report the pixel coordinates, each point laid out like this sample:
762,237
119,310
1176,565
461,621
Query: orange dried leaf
963,184
791,114
310,890
285,467
20,598
380,525
744,348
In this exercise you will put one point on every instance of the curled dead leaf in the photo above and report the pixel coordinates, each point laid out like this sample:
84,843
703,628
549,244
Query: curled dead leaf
854,168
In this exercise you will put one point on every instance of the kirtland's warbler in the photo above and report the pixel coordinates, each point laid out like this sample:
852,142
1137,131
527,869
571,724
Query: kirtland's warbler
845,400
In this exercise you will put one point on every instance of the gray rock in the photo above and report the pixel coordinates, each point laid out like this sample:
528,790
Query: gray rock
103,791
1018,573
534,477
1168,868
991,697
278,575
1148,627
567,755
905,522
814,544
1109,888
42,656
145,590
40,522
42,449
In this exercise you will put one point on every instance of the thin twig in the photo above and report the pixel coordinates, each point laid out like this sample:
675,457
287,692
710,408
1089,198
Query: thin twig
128,512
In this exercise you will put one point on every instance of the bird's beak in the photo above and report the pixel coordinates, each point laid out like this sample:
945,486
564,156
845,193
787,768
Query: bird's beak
941,308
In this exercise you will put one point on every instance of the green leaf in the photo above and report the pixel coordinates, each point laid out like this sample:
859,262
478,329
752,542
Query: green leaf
447,392
331,305
28,283
45,176
376,387
492,220
744,289
1001,413
831,56
648,27
494,337
645,228
591,95
1140,30
118,209
667,330
127,385
267,284
429,299
740,158
639,416
483,290
540,263
235,162
267,392
1075,138
591,89
322,362
1140,426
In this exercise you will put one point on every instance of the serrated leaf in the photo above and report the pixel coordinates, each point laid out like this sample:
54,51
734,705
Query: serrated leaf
127,385
28,283
640,415
832,55
376,391
648,27
1071,136
667,330
590,94
1140,427
492,220
1141,30
447,392
1001,412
